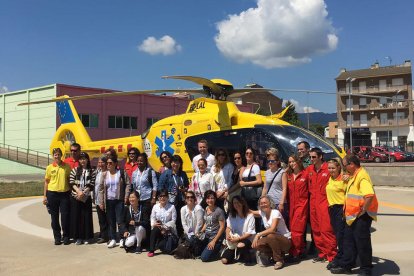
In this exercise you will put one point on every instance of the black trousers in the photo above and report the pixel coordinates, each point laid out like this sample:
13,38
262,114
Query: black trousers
357,243
103,223
59,202
81,222
336,214
156,239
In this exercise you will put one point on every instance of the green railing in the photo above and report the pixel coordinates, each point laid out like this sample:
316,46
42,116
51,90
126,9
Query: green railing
25,156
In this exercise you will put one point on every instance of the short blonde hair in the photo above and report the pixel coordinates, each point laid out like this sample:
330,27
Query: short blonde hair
273,151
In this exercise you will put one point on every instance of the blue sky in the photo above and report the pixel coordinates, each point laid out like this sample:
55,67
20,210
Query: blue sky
129,45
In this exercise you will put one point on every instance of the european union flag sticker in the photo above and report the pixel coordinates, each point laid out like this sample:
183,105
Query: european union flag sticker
65,113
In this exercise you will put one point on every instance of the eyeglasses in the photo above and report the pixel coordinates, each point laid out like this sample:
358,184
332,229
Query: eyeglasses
249,153
161,196
313,157
190,197
271,161
237,158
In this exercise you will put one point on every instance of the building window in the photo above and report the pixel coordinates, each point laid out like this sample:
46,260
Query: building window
397,81
151,121
122,122
384,119
349,119
362,102
349,104
89,120
400,115
363,118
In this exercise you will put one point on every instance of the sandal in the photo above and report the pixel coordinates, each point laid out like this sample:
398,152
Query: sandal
278,265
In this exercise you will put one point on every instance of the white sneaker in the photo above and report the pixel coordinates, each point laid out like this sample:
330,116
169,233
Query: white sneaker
112,244
121,243
85,242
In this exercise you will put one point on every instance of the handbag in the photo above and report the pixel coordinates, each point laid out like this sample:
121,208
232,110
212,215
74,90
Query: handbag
251,193
171,243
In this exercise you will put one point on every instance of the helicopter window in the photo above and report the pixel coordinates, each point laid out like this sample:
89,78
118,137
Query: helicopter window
236,140
289,136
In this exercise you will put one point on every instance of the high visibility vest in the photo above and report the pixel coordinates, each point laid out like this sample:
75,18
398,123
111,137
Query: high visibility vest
355,194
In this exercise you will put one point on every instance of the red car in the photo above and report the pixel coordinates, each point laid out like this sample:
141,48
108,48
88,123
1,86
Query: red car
394,155
367,154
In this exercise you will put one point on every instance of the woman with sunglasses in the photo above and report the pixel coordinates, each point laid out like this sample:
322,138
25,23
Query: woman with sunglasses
240,231
276,183
175,181
82,181
114,191
222,171
163,221
165,158
335,192
297,178
202,181
251,180
135,223
103,221
213,228
192,218
131,163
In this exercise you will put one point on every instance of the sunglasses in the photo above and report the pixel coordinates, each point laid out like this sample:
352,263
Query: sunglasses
161,196
74,150
131,153
110,163
165,156
190,197
237,158
271,161
313,157
249,153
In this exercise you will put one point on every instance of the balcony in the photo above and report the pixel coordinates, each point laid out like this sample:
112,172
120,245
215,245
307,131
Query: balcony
375,122
373,89
374,105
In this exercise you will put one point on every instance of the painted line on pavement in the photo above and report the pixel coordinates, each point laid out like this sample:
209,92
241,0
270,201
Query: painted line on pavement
394,189
9,217
397,206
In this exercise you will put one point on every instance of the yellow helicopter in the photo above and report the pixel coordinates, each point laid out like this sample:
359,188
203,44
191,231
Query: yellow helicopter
212,118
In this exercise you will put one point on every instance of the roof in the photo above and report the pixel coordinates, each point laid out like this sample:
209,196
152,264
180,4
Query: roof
375,72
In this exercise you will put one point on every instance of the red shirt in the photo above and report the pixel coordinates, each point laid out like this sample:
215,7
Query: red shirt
72,162
130,168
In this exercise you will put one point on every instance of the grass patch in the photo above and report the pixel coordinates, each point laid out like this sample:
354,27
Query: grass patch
15,189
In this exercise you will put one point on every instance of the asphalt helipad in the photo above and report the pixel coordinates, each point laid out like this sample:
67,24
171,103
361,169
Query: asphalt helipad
27,246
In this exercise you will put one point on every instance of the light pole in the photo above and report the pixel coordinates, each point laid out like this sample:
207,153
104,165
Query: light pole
396,114
350,80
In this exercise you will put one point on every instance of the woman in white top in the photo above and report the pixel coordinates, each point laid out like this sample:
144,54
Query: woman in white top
192,216
163,219
276,237
202,181
103,221
251,180
222,172
239,232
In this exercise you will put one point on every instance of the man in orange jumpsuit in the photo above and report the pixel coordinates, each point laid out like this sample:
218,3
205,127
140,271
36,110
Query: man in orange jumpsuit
322,231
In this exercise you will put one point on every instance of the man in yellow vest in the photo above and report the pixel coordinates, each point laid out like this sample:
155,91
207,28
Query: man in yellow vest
361,206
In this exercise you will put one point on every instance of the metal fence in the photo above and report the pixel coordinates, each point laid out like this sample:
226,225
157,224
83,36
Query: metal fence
25,156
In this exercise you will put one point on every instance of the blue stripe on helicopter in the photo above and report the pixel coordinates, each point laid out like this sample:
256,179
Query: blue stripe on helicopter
65,113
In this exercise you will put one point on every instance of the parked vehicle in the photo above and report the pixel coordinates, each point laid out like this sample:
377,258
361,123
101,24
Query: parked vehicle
366,154
393,155
409,156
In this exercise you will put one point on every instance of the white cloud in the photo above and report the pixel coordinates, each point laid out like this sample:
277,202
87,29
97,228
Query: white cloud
277,33
299,108
3,89
166,45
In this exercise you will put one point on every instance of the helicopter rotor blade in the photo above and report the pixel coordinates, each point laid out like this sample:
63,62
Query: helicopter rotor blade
216,89
114,94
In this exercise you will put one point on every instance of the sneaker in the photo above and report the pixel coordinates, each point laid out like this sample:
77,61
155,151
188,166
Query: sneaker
66,240
150,254
85,242
278,265
340,270
112,244
319,260
78,242
137,250
121,243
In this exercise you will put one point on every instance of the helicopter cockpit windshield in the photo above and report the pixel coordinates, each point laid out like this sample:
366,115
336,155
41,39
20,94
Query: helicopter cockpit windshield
262,137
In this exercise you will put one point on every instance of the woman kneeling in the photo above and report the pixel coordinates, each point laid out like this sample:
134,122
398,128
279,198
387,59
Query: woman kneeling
275,239
134,224
240,231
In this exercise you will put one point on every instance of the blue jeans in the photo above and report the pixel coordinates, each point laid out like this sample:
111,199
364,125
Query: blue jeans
114,210
209,255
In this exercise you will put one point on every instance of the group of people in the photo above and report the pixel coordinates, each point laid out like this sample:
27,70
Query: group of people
225,211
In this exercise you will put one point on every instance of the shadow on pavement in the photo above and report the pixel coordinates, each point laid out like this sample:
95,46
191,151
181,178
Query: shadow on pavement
384,267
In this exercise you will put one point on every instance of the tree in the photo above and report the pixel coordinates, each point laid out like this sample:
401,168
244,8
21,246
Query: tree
318,129
291,116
